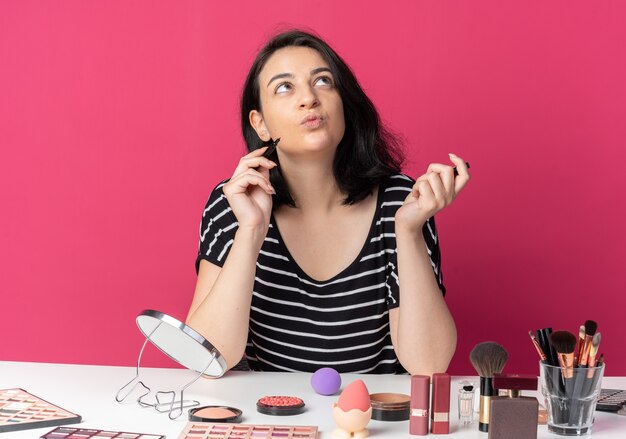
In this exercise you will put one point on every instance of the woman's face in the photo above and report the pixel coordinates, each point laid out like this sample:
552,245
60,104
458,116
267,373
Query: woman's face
299,102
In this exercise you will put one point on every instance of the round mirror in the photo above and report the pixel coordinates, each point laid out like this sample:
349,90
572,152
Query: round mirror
181,343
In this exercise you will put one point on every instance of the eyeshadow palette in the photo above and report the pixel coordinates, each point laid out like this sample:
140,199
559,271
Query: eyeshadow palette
89,433
19,410
611,400
208,430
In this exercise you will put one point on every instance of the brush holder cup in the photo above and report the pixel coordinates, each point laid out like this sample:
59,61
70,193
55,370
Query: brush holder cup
570,397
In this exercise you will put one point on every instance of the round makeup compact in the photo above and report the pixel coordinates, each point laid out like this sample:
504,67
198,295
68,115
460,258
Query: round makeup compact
215,413
390,406
280,405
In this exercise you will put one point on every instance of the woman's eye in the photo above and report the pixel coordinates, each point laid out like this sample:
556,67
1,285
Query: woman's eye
284,87
324,80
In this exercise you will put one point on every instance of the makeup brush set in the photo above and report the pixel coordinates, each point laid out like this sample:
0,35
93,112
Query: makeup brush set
571,372
563,349
567,353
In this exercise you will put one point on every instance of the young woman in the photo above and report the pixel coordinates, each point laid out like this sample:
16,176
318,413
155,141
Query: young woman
323,254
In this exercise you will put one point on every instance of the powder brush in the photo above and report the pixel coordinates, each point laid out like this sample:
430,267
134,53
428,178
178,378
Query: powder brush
564,343
488,358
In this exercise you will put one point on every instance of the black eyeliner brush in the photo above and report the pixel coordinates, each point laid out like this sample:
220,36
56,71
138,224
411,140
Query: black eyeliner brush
271,148
269,151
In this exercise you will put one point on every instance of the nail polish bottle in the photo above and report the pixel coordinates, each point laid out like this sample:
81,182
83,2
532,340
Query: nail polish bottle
467,391
514,416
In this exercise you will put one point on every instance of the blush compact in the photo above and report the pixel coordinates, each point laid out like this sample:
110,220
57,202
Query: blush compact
215,413
280,405
390,406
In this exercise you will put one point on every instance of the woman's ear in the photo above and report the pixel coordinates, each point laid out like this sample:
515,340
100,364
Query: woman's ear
257,122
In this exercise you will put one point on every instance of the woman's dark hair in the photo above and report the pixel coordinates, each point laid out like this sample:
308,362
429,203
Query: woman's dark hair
367,153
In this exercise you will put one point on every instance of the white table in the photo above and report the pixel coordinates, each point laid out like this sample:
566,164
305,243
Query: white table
90,391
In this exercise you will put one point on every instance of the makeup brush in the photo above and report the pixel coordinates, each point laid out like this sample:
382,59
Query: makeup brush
600,361
581,342
593,352
564,343
271,148
590,331
596,373
488,358
536,343
543,336
592,370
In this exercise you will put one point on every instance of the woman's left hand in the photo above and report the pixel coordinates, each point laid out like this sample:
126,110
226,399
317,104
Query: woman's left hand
433,191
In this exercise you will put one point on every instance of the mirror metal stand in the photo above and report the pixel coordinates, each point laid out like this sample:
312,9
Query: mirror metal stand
173,407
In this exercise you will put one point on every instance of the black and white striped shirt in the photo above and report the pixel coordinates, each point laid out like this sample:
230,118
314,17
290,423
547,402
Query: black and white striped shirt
300,324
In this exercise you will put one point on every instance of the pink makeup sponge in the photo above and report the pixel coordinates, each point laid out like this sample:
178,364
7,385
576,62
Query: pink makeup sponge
326,381
355,396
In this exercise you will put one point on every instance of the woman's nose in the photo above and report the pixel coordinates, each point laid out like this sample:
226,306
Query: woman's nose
308,98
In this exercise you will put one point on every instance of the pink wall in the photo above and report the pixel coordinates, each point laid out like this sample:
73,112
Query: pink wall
117,118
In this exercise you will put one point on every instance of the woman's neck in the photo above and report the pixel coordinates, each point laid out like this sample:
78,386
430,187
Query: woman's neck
312,185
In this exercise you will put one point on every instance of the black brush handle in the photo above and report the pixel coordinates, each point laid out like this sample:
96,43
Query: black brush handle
549,350
578,388
486,392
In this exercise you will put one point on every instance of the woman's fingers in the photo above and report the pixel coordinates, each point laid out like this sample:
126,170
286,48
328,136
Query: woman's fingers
441,183
461,168
251,177
446,173
439,191
254,160
432,191
427,198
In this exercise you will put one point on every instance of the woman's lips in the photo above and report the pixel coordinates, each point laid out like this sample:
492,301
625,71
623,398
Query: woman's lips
312,121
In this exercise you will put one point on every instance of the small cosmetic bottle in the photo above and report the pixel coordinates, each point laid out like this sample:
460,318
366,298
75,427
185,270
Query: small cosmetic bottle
440,410
420,399
467,391
514,416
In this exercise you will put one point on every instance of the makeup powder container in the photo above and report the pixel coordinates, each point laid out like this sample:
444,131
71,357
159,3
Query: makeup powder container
215,413
280,405
390,406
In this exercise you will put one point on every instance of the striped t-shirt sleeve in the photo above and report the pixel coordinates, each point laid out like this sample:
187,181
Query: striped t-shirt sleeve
432,248
217,229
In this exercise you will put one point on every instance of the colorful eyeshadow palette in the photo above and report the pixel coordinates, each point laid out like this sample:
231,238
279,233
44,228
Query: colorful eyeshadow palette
208,430
19,410
87,433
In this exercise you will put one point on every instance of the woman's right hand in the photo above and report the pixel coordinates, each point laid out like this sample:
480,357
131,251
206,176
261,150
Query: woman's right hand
249,191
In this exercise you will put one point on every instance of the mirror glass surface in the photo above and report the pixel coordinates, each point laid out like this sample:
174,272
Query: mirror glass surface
181,343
